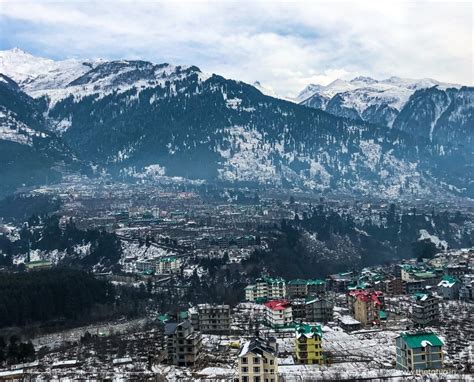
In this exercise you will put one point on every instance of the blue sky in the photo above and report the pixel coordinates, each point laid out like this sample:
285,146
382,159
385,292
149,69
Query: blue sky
284,45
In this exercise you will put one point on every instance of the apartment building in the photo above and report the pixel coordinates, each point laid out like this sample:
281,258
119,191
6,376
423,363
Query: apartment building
300,288
308,349
211,318
419,351
167,265
278,313
366,306
257,361
424,309
448,288
183,343
266,288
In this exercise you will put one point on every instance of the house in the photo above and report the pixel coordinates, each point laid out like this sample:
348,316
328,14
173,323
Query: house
448,288
419,351
211,318
424,309
349,324
366,306
278,313
183,343
257,361
308,348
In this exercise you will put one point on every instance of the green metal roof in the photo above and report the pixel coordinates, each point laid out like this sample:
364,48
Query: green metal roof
308,330
382,315
419,340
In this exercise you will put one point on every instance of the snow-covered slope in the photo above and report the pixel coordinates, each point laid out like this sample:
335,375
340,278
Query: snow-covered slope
365,95
40,74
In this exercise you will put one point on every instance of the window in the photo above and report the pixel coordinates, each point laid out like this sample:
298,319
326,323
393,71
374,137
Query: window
271,362
245,360
256,379
245,379
256,360
256,369
245,369
423,357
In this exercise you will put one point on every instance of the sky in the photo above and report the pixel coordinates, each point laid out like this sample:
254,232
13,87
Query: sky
285,45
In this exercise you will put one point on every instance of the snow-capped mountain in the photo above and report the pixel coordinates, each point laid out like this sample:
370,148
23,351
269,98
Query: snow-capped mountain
132,116
35,74
365,98
29,154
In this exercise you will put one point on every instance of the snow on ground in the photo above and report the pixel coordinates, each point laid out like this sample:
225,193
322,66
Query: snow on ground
425,235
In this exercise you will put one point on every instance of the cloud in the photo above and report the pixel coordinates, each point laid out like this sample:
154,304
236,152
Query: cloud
284,45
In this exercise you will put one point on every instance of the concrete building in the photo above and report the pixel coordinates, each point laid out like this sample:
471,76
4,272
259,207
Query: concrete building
266,288
258,361
278,313
448,288
466,291
211,318
424,309
308,348
419,351
167,265
183,343
349,323
366,306
300,288
395,287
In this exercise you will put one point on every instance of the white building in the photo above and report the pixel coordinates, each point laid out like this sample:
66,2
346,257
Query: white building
278,313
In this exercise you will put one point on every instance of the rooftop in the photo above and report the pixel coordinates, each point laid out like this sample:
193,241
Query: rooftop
421,339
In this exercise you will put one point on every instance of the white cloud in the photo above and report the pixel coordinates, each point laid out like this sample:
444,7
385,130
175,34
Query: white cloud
285,45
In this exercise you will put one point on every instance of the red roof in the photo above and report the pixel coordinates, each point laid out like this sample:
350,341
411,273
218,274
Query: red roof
364,295
277,304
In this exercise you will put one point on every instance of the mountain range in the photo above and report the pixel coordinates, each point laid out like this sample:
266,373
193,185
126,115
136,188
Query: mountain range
139,120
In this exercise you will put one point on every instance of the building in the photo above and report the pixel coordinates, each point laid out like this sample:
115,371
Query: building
448,288
250,293
424,309
349,323
308,348
211,318
38,265
318,309
278,313
366,306
340,282
258,361
300,288
419,351
395,286
266,288
466,291
183,343
167,265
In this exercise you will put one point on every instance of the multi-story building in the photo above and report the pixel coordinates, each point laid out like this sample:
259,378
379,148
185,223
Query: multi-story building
299,288
312,309
183,343
424,309
366,306
308,348
419,351
266,288
339,282
466,291
211,318
395,286
448,288
258,361
278,313
167,265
